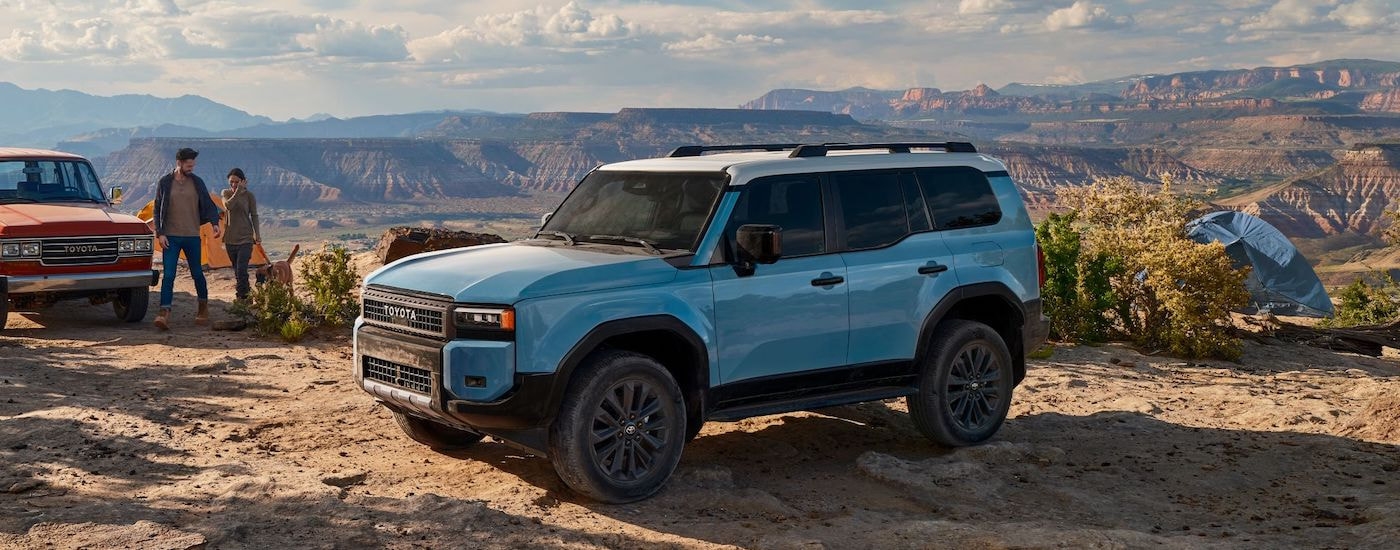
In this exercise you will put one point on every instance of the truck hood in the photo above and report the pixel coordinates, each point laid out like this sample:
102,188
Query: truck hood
66,220
504,274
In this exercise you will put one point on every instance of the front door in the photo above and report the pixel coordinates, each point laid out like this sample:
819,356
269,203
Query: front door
791,316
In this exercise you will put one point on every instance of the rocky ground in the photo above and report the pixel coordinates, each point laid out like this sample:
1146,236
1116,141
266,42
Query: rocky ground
117,436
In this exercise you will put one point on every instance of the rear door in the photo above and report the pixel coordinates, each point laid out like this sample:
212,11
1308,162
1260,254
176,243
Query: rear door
965,211
898,268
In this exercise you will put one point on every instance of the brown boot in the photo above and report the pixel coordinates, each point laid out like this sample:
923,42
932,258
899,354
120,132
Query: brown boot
201,317
163,319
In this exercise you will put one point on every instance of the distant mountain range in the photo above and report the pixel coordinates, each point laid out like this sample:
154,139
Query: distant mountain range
45,117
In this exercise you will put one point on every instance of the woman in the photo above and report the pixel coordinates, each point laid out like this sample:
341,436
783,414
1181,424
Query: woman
183,206
242,231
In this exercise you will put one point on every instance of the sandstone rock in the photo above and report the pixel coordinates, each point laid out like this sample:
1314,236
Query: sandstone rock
400,242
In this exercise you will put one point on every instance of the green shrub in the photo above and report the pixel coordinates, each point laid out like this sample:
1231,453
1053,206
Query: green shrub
1363,303
271,306
1119,265
294,329
331,284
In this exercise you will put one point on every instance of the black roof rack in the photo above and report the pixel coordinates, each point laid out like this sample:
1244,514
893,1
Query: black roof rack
697,150
901,147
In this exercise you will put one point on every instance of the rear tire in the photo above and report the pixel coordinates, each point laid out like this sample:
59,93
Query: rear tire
131,304
965,385
621,428
4,309
437,436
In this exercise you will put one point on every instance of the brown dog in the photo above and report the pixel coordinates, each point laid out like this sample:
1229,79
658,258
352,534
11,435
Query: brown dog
281,270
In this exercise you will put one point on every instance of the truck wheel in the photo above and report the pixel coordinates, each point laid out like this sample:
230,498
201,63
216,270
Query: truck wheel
131,304
4,309
965,385
437,436
620,429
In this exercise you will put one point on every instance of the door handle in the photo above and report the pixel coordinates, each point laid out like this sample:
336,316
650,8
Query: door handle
933,269
828,281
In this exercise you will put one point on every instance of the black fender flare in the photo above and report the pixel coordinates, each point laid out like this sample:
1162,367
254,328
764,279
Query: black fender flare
592,341
963,293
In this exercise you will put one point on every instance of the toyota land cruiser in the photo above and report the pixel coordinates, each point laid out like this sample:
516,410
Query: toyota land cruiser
718,283
61,239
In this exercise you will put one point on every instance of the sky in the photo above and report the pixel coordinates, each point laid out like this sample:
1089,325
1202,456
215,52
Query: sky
293,58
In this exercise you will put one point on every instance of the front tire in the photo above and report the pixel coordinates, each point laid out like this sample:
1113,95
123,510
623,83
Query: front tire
965,385
131,304
4,309
437,436
620,429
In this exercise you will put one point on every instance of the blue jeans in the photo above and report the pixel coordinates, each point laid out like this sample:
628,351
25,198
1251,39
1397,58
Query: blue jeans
170,259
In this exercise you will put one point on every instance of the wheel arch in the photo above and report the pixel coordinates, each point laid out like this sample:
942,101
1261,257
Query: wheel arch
993,304
662,337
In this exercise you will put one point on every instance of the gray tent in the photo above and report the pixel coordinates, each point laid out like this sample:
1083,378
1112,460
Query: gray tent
1281,282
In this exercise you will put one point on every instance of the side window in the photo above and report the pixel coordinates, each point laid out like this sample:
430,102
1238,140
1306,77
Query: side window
873,210
792,203
914,203
959,197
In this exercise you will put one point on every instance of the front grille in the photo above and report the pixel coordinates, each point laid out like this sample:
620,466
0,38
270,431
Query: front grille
403,376
406,314
87,251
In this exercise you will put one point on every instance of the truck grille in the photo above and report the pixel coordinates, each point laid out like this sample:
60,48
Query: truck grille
405,314
85,251
403,376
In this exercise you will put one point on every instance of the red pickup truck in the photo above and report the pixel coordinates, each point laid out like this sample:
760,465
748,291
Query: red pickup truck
60,237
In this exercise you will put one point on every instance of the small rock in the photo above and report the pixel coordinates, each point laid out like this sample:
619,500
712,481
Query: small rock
24,486
346,479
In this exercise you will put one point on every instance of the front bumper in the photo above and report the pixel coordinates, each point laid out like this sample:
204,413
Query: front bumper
81,282
520,415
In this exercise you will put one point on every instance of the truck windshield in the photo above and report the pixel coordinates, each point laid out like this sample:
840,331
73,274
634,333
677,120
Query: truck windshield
652,211
27,181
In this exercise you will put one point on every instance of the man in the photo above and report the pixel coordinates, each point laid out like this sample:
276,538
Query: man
183,206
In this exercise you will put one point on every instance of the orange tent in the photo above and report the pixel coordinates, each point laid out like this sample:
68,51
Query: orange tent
212,248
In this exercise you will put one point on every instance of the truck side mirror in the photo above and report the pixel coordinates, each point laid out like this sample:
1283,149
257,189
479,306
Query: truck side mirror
116,195
761,244
545,218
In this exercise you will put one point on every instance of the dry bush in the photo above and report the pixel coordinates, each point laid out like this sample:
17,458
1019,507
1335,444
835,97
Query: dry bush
1125,269
328,298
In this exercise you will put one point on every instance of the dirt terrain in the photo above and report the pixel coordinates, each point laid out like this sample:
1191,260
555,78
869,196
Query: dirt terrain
116,436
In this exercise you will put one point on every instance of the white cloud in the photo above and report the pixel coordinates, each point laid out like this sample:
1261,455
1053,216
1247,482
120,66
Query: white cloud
1289,15
59,40
353,40
1084,15
1365,14
571,26
983,6
713,43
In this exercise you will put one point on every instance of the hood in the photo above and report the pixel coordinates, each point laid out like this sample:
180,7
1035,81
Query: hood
504,274
66,220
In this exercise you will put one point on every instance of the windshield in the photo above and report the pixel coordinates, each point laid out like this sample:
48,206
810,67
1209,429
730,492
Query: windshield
665,210
25,181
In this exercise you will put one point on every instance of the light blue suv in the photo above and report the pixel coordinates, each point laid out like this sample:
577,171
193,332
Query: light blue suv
717,283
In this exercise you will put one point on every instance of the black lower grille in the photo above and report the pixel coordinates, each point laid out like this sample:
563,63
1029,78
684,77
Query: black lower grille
403,376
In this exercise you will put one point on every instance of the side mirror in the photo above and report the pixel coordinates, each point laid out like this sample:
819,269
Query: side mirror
545,218
115,195
759,244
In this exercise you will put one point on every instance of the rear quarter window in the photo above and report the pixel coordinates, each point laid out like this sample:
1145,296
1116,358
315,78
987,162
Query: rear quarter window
959,197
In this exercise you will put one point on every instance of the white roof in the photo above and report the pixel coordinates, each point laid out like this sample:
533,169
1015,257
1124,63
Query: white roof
19,153
743,167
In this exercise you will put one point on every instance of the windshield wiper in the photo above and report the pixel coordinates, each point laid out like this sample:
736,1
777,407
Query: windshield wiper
10,200
632,240
568,239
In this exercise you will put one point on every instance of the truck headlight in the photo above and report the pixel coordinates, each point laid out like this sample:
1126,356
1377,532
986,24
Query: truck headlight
31,249
484,318
126,245
9,250
143,245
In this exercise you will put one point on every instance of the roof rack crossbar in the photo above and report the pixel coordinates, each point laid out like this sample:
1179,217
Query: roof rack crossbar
900,147
697,150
